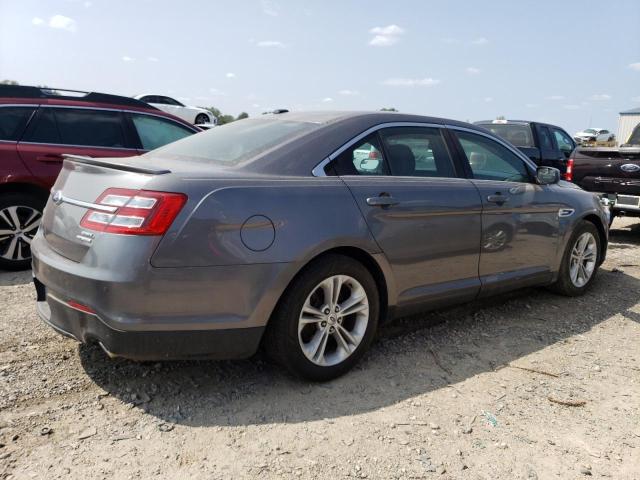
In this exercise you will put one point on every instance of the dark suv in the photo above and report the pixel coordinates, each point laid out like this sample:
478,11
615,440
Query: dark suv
39,125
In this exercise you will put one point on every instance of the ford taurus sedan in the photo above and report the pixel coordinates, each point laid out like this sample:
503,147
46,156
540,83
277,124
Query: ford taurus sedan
277,231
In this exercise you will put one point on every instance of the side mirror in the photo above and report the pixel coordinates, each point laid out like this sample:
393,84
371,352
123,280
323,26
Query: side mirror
547,175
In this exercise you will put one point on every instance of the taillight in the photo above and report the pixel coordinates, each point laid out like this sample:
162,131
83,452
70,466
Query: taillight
135,212
568,176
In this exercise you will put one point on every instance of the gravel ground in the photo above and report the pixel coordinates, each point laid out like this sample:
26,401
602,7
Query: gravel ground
469,392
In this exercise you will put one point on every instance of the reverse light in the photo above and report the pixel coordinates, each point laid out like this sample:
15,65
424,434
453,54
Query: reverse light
568,176
138,212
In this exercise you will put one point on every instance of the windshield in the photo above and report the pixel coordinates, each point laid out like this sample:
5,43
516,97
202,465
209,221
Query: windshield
634,138
590,130
238,141
517,134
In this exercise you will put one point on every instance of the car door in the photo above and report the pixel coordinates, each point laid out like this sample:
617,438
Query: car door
520,223
80,131
424,217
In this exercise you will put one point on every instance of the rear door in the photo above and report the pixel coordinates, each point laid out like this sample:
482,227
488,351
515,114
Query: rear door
81,131
550,154
423,216
520,223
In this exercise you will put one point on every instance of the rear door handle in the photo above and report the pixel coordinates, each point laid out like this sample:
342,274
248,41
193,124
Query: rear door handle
382,201
497,198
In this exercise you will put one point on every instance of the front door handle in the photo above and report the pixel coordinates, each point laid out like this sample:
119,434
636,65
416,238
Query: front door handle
497,198
382,201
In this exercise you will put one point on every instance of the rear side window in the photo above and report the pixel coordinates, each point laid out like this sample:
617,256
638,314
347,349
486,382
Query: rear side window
545,139
156,132
93,128
13,120
517,134
43,129
363,158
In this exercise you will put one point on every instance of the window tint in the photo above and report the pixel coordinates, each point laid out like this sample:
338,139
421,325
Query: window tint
44,130
93,128
491,161
416,152
545,138
156,132
13,121
171,101
363,158
565,144
518,134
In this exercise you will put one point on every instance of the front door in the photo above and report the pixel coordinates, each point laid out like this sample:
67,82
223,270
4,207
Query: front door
425,219
520,223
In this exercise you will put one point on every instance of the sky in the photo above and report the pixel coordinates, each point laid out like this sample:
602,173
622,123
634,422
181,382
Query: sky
572,63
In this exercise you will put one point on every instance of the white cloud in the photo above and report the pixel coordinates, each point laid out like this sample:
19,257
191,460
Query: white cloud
270,43
600,97
348,92
327,100
472,70
479,41
37,21
411,82
230,75
270,8
153,59
385,36
555,97
488,99
128,59
635,66
571,107
63,23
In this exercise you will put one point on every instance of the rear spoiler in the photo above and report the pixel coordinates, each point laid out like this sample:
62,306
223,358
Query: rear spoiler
114,165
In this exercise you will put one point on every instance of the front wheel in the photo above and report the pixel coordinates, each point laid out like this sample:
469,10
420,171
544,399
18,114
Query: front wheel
326,320
580,262
201,118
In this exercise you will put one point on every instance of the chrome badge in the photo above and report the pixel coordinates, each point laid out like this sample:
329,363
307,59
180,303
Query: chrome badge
57,197
630,167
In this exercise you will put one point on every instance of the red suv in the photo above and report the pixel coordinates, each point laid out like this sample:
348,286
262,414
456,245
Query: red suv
39,125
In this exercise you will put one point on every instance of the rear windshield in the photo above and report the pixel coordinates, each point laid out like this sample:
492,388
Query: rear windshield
634,139
238,141
518,135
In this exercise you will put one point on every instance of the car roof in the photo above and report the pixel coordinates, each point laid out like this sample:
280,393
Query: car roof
515,122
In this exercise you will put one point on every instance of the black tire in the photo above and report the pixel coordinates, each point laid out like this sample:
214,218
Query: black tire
281,338
564,285
612,216
10,251
201,118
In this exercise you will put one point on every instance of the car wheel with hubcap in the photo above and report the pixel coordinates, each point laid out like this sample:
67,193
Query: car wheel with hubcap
580,261
20,217
326,320
201,118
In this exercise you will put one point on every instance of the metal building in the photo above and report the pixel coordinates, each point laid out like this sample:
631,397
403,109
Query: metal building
628,120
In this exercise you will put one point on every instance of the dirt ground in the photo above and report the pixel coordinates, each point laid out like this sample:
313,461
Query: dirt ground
468,392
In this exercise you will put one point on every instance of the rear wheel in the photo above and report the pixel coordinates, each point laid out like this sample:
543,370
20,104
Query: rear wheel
20,217
580,261
201,118
326,320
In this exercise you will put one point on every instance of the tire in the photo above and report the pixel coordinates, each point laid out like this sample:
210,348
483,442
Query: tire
612,216
15,240
567,284
290,339
201,118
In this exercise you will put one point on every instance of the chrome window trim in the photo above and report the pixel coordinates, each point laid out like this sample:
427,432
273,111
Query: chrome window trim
19,105
318,170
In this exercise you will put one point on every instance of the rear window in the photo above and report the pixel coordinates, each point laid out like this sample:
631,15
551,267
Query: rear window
238,141
517,134
13,121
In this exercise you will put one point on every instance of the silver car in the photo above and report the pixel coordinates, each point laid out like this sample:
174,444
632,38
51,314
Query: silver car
273,232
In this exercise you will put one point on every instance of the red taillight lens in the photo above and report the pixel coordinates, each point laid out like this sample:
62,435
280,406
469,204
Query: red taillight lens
137,212
568,176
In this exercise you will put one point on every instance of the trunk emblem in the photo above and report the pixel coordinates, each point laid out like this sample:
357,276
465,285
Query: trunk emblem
630,167
57,197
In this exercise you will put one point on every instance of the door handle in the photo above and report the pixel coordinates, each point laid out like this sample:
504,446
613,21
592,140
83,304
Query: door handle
382,201
497,198
49,158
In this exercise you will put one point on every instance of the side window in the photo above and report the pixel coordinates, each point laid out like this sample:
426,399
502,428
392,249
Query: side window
147,98
13,121
417,152
43,129
565,144
363,158
91,128
155,132
545,138
171,101
490,160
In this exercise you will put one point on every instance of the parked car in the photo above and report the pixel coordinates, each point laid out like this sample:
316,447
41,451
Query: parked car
270,231
547,145
193,115
38,126
594,135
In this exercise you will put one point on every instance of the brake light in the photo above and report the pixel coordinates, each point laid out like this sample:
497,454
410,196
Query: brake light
568,176
135,212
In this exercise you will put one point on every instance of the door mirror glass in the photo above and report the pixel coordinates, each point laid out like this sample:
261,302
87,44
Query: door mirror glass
547,175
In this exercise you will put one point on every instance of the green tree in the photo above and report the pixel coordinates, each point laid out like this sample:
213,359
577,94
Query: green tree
388,109
242,116
9,82
225,118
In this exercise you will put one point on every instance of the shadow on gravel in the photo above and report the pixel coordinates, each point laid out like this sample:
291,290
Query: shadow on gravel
412,356
629,234
11,279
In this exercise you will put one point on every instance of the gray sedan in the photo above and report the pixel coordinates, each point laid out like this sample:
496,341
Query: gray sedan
278,231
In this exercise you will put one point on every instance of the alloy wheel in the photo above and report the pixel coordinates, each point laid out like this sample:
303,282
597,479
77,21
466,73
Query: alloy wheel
333,320
18,226
582,262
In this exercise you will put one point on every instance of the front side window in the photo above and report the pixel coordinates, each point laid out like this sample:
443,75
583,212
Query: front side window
363,158
417,152
490,160
155,132
43,129
13,121
565,144
92,128
171,101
